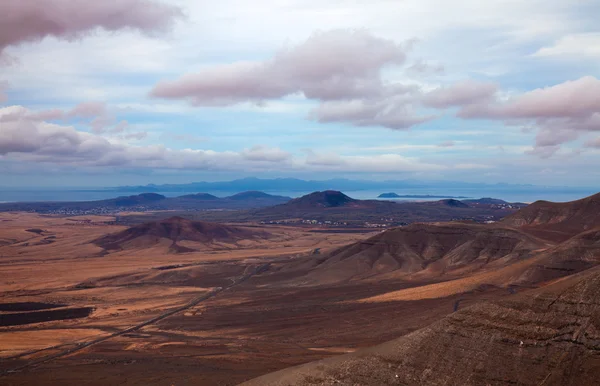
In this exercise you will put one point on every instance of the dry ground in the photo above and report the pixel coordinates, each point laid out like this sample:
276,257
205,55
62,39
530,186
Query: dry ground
256,324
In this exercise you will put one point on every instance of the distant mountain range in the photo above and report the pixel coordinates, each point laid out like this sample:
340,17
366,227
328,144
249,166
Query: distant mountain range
154,201
298,185
428,196
335,207
329,206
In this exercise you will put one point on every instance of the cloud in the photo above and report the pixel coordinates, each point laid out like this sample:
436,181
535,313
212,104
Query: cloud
561,113
394,113
3,88
138,136
341,68
381,163
543,151
571,99
593,143
32,141
446,144
33,20
573,46
264,153
421,68
323,159
330,65
186,138
471,166
459,94
88,110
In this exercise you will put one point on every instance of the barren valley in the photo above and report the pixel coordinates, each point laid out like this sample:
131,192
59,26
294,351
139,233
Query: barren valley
179,301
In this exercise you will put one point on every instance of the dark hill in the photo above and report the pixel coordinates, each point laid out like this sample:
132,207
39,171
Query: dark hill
549,336
485,200
256,195
335,206
389,195
451,203
325,199
152,201
577,254
199,196
175,230
140,199
558,221
437,248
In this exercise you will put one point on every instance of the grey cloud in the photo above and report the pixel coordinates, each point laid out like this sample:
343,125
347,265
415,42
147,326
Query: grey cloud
382,163
323,159
552,137
96,113
446,144
544,151
138,136
459,94
393,113
120,127
340,68
337,64
420,68
3,88
560,113
593,143
30,141
264,153
32,20
101,118
186,138
571,99
47,115
88,110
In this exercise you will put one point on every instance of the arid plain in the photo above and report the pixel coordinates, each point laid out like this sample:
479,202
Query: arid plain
174,301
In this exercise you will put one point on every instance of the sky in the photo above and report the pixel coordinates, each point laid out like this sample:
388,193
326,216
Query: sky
124,92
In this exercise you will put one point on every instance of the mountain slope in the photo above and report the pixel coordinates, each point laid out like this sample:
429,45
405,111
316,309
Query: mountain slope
433,249
558,221
175,230
325,199
549,336
577,254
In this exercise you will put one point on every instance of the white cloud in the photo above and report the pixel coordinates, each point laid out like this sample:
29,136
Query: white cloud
264,153
561,113
593,143
573,46
571,99
460,94
393,112
25,139
338,64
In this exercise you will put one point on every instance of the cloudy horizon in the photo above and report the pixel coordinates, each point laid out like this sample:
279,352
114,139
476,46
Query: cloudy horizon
133,92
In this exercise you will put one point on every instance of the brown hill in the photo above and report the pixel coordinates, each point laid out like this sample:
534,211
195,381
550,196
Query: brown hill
448,202
429,248
175,230
557,221
325,199
549,336
577,254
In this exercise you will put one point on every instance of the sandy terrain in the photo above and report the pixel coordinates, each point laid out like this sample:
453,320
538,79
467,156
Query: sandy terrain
50,261
75,313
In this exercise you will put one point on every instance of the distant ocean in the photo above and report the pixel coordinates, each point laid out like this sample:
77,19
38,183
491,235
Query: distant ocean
559,194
